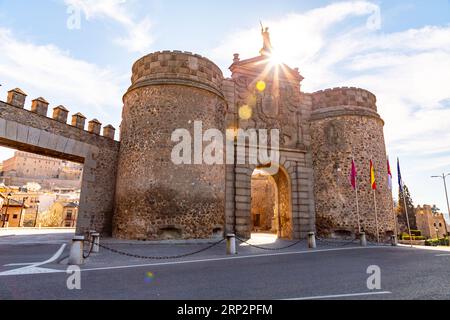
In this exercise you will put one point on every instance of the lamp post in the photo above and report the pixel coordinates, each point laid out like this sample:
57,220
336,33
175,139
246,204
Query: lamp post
21,211
6,211
36,217
443,177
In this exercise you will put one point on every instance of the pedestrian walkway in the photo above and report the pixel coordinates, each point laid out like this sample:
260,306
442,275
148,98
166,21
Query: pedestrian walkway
4,232
35,236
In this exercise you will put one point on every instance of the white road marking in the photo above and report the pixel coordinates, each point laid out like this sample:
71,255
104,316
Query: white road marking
28,270
341,296
34,267
53,258
224,259
135,266
20,264
443,255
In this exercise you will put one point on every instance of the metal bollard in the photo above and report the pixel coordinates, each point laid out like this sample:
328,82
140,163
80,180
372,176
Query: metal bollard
95,238
394,241
231,244
76,251
363,239
312,240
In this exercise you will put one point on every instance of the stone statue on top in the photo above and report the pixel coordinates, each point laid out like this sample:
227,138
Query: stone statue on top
267,44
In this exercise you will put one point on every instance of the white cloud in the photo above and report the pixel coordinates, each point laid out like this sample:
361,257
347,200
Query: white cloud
139,37
46,70
333,46
407,70
297,38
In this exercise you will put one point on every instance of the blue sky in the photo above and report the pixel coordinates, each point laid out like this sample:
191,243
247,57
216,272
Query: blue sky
400,50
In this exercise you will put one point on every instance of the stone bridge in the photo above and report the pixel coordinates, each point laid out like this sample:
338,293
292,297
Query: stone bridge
33,131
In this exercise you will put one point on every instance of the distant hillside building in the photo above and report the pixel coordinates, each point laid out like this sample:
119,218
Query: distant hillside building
67,213
12,212
431,225
26,167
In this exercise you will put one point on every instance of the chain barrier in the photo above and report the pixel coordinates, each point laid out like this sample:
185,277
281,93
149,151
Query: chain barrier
85,256
137,256
269,249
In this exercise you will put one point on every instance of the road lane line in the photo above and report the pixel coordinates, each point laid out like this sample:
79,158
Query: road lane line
349,295
20,264
136,266
443,255
53,258
224,259
34,268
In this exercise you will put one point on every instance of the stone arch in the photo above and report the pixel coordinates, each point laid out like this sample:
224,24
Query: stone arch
33,132
243,223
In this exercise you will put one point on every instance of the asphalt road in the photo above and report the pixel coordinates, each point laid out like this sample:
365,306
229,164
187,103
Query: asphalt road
405,274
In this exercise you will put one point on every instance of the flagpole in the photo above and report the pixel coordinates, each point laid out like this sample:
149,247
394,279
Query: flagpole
357,209
393,203
401,186
357,198
407,217
376,214
395,218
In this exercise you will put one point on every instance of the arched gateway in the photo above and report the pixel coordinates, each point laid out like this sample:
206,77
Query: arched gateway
271,199
134,190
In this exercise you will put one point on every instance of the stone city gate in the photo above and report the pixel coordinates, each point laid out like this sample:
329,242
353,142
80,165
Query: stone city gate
133,190
294,187
32,131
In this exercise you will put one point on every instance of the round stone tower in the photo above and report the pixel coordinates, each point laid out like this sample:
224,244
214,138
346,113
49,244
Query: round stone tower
345,125
155,198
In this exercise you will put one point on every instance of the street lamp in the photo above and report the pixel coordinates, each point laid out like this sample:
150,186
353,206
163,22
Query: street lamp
443,177
21,210
37,213
5,216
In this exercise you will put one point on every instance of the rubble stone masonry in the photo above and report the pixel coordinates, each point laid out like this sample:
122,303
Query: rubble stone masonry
156,199
345,125
132,190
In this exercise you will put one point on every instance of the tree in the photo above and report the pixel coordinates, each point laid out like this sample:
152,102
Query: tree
401,213
50,219
435,209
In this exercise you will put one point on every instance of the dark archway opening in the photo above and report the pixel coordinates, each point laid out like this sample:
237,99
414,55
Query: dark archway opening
271,209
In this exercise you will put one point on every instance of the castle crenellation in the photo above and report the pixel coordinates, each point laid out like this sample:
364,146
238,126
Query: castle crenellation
17,98
132,190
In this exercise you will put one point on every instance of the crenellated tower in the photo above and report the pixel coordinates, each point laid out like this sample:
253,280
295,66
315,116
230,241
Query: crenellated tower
345,125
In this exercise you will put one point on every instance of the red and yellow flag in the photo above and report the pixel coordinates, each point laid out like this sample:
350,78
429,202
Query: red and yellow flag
373,181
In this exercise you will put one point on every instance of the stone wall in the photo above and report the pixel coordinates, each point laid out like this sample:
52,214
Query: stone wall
264,204
280,105
156,199
345,124
431,225
33,131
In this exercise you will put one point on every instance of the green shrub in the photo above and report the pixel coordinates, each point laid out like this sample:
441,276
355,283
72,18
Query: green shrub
432,242
416,233
407,237
437,242
403,235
